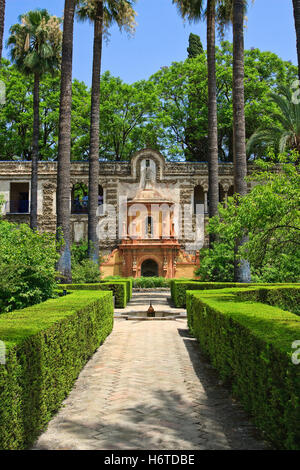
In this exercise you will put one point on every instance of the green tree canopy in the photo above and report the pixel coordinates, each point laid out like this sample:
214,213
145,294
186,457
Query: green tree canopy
195,46
159,112
269,215
283,132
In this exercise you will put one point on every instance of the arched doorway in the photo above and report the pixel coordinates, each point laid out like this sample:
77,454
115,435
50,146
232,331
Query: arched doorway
149,268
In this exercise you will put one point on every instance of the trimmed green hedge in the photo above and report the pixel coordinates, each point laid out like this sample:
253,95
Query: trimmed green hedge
179,289
119,288
251,347
47,345
287,298
128,280
129,284
151,282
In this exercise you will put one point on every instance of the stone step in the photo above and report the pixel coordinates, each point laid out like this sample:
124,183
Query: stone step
147,302
136,318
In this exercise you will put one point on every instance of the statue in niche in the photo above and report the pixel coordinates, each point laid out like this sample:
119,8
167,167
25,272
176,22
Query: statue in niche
149,175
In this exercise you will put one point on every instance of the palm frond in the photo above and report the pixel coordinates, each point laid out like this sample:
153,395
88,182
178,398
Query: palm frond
284,134
35,43
120,12
192,10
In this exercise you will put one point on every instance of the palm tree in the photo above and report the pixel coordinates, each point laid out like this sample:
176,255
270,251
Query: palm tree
284,132
2,17
213,170
242,268
102,13
64,144
296,6
36,50
193,10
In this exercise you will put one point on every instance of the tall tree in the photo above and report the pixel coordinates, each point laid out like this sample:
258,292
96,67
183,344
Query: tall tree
296,6
195,46
193,10
102,13
242,268
2,18
64,144
36,50
196,148
213,173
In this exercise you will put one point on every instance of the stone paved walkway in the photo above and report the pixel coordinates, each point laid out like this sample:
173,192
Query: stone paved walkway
147,387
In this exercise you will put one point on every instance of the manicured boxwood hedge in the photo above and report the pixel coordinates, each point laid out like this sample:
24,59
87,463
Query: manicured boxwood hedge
47,346
120,289
179,288
128,280
151,282
129,284
251,347
287,298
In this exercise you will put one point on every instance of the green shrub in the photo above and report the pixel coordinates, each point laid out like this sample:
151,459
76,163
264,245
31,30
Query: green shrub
47,346
143,282
150,282
251,347
27,266
119,289
80,251
85,271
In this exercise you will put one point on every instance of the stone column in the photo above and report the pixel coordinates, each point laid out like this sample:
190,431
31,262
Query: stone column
225,198
225,186
205,202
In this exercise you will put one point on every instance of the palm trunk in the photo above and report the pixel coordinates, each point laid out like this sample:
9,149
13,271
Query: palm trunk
296,5
2,17
242,268
35,152
213,170
94,137
64,144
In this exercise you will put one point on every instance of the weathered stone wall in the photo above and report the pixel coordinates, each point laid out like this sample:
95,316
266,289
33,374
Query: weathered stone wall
175,181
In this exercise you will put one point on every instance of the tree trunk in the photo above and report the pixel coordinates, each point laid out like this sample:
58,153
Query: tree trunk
242,268
2,18
64,145
213,171
296,5
94,137
35,152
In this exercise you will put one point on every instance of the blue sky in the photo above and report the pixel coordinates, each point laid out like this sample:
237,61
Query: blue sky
162,37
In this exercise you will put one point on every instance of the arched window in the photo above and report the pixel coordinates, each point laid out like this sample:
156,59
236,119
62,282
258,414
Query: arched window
80,198
231,191
100,199
198,197
221,193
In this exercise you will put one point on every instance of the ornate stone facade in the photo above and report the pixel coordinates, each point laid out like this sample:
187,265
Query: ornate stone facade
147,217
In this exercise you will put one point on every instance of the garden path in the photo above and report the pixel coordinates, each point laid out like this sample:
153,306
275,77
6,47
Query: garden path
148,387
